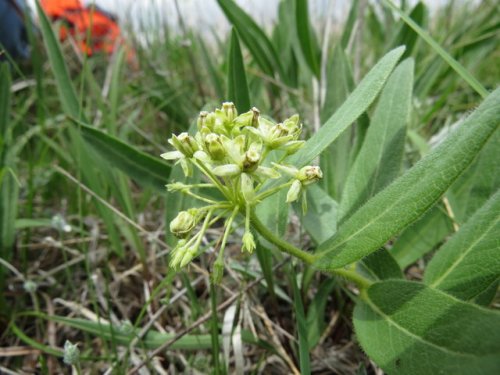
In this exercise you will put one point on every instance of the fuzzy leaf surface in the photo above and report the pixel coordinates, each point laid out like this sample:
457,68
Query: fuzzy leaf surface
411,195
410,328
470,261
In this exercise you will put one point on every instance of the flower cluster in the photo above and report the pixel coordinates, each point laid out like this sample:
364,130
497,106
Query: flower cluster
232,151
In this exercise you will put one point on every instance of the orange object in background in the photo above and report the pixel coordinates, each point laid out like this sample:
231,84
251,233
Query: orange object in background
94,30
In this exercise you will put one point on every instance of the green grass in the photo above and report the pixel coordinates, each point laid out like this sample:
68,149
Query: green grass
80,139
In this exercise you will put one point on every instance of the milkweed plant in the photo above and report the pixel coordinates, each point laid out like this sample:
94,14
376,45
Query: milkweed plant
232,152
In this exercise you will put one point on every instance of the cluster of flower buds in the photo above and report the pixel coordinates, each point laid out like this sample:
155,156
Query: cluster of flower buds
232,152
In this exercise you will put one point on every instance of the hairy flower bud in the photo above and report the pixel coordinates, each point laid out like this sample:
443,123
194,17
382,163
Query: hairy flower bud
217,272
248,242
292,125
202,119
182,224
247,188
214,147
71,353
294,191
230,111
184,143
251,160
189,255
226,170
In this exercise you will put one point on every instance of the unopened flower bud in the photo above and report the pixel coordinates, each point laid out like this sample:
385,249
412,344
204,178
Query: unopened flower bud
177,186
210,121
227,170
292,147
248,242
187,168
292,125
214,147
217,272
255,117
189,255
202,119
245,119
309,174
183,223
266,172
71,353
177,254
247,188
30,286
294,191
185,144
251,161
230,111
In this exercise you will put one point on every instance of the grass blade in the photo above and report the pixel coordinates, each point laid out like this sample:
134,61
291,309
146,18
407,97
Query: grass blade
143,168
302,329
254,38
411,195
462,72
8,185
307,41
67,93
237,87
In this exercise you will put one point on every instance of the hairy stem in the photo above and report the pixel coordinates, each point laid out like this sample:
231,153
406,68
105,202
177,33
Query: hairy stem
306,257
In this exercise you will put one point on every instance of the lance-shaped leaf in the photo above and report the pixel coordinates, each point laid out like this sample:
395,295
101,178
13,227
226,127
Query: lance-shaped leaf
411,195
353,107
305,33
145,169
254,38
409,328
470,261
380,159
237,87
67,93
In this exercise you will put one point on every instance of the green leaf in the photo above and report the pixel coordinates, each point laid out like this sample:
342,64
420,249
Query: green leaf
470,261
422,237
320,220
406,36
5,83
307,41
379,265
409,328
349,25
411,195
8,184
380,159
67,93
462,72
143,168
254,38
353,107
237,87
336,159
478,183
302,328
316,312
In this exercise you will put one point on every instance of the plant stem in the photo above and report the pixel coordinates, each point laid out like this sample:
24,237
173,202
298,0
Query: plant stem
271,191
283,245
306,257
